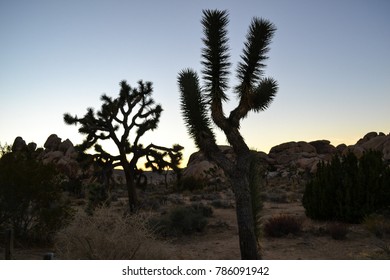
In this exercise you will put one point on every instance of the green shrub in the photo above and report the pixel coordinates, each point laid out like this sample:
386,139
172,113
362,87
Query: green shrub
31,199
348,189
182,220
282,225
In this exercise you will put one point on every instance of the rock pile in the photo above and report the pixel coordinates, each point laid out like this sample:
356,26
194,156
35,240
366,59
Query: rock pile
60,153
294,158
199,167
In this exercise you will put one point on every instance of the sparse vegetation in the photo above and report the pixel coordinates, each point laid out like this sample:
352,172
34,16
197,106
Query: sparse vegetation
182,220
377,224
97,196
190,184
108,235
282,225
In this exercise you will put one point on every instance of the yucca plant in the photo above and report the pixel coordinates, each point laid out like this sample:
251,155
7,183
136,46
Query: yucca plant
255,93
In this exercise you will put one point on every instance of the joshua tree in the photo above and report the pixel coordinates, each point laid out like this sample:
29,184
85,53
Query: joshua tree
255,93
134,109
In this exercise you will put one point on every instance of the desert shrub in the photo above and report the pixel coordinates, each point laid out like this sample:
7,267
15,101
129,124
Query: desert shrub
182,220
282,225
377,224
337,231
222,203
190,184
97,196
74,187
108,235
31,199
347,189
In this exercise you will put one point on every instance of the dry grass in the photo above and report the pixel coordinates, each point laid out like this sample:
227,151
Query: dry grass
282,225
377,224
108,235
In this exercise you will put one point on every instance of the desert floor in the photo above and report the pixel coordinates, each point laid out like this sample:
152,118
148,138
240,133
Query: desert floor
220,239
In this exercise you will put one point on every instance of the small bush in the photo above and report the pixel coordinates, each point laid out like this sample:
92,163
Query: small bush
282,225
182,220
377,224
222,203
108,235
337,231
190,184
97,196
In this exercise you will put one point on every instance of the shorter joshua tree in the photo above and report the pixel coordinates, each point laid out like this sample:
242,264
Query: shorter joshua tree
134,110
255,93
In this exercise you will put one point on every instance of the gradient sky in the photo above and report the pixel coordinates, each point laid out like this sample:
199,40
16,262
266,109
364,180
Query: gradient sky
330,58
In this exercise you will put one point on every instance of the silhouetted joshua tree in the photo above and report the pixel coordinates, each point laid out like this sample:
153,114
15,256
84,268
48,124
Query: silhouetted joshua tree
133,110
255,93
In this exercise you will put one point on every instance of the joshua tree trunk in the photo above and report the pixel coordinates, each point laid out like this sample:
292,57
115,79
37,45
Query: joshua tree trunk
131,191
247,237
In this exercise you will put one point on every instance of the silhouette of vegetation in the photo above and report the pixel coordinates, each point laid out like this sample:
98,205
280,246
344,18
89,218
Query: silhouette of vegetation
282,225
255,93
348,189
133,111
31,198
182,220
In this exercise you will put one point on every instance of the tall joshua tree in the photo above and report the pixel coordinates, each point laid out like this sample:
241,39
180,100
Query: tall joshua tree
134,109
255,93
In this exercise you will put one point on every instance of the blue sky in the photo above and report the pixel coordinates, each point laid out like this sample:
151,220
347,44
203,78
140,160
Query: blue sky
330,58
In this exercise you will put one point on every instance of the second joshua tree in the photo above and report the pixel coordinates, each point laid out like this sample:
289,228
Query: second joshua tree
255,93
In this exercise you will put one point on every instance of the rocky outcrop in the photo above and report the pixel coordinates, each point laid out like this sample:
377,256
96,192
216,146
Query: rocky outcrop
294,159
300,157
199,167
19,144
60,153
373,141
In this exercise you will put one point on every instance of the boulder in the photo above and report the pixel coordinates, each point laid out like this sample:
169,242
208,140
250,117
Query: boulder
367,137
386,149
288,153
200,167
375,143
65,146
340,148
52,157
19,144
52,143
323,147
31,147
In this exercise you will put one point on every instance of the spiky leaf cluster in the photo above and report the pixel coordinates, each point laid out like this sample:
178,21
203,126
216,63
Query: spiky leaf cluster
215,54
255,91
193,106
